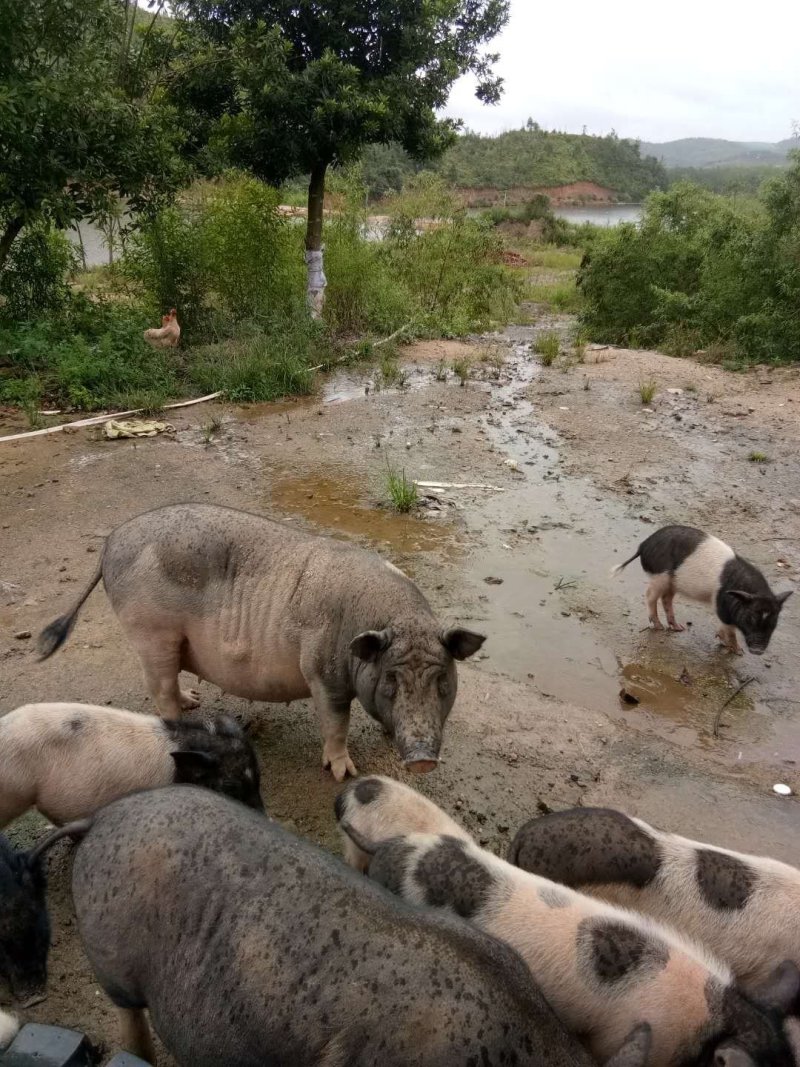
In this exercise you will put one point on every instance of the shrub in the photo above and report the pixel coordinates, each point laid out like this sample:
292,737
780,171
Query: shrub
700,272
34,278
225,256
89,361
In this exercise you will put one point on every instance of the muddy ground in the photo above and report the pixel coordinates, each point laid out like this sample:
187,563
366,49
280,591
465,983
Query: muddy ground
581,471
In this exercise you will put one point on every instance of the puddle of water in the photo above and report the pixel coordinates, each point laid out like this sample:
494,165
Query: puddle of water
339,387
558,618
333,504
660,692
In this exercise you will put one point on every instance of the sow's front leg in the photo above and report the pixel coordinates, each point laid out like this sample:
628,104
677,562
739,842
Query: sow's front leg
334,721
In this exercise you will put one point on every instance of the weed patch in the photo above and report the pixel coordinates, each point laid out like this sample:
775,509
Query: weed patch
547,346
401,492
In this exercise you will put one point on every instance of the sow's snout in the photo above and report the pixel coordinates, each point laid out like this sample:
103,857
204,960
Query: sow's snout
420,759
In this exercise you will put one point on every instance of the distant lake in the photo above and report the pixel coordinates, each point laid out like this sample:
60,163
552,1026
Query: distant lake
600,214
94,244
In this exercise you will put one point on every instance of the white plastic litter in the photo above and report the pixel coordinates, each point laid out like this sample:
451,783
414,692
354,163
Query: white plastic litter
782,790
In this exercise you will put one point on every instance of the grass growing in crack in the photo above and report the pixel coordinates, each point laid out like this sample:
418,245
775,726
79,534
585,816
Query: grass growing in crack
547,345
462,369
758,457
402,493
210,429
647,390
31,408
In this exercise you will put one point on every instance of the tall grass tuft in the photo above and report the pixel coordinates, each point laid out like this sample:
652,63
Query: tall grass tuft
547,346
401,492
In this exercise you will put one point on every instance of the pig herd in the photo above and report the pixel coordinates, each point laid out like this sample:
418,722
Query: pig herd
599,940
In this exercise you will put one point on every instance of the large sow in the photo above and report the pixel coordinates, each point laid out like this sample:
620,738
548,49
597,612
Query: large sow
271,613
251,948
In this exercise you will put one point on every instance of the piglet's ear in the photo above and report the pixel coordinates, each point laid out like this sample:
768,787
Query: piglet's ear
781,991
369,645
635,1048
781,598
194,766
740,594
461,644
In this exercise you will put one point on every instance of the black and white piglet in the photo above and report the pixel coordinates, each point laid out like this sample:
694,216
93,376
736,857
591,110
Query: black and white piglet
24,926
604,970
683,560
744,909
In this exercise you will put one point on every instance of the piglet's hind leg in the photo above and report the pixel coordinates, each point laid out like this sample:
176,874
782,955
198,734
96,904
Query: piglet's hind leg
668,600
658,587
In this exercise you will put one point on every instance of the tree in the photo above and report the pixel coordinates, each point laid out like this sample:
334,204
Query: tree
315,81
71,134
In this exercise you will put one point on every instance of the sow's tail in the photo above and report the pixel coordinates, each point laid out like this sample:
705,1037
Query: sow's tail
77,829
619,567
53,636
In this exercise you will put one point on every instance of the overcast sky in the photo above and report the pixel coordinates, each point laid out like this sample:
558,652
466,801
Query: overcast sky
686,68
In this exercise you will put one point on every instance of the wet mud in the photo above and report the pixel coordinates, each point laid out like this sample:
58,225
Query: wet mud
574,473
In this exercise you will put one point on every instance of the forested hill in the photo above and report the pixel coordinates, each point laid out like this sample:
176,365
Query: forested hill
714,152
529,158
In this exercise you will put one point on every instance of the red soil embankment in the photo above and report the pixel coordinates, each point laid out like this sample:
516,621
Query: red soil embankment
558,195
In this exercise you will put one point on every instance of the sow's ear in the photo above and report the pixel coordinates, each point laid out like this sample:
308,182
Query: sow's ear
194,766
781,598
461,644
781,990
635,1049
369,645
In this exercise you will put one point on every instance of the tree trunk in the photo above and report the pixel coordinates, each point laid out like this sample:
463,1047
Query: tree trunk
315,282
7,239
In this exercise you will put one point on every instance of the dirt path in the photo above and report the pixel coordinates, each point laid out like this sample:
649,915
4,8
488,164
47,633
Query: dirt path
585,472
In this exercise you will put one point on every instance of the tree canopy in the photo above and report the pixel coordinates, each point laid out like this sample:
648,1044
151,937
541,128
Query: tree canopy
71,133
313,83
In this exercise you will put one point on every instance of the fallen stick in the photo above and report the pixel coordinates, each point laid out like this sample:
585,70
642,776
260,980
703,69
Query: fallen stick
460,485
95,420
350,355
730,699
392,336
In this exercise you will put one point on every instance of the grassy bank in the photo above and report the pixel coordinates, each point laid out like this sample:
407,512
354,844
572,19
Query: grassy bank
233,267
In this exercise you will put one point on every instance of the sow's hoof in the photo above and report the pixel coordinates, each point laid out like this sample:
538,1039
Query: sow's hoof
47,1046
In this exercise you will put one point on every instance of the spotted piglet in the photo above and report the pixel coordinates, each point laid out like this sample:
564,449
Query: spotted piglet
391,804
681,560
744,909
604,970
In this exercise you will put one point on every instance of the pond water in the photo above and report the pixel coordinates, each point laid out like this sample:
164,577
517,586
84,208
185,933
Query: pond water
96,250
600,214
